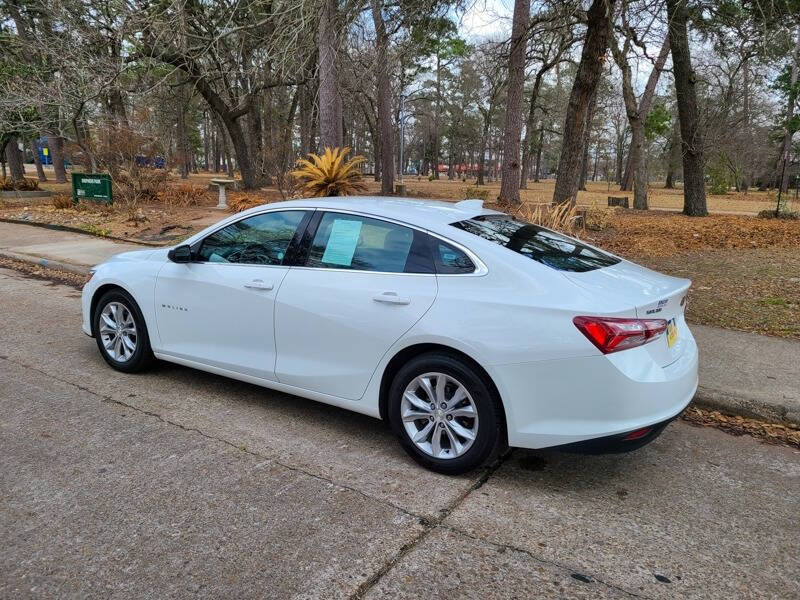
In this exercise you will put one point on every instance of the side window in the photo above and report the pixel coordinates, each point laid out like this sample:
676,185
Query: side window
258,240
450,260
345,241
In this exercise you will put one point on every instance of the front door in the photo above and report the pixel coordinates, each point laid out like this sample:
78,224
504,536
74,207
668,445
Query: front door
365,283
219,309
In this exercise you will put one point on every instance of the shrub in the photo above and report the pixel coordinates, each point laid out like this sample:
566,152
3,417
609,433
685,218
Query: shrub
471,191
330,174
719,177
184,194
786,214
239,201
21,185
562,217
598,217
62,201
139,185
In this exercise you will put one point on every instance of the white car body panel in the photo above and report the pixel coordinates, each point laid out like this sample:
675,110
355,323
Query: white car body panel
352,327
219,314
331,342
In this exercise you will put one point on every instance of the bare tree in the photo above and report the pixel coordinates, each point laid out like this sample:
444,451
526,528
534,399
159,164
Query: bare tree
330,101
694,189
788,130
509,186
637,111
586,81
384,98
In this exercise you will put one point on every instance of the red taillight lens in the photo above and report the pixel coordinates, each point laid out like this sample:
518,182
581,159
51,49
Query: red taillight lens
612,334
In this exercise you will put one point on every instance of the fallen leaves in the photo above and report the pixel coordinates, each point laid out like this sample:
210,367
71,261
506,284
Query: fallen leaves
660,233
771,433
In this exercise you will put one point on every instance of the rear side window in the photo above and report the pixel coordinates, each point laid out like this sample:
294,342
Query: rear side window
542,245
450,260
352,242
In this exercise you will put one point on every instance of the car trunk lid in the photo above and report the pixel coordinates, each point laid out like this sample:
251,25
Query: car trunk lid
652,295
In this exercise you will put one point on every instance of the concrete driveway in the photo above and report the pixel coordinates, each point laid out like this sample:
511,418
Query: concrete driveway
182,484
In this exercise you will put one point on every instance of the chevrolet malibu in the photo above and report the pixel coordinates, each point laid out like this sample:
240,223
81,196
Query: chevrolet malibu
466,329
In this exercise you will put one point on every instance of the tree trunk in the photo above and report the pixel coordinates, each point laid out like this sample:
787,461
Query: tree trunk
183,151
786,144
527,143
538,171
330,101
16,168
674,156
37,161
638,164
206,145
587,134
55,144
636,167
306,110
509,186
586,81
384,99
694,190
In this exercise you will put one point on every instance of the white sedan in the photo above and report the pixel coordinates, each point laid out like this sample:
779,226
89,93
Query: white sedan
466,329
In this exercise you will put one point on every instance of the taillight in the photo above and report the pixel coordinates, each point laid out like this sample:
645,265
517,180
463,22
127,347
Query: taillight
612,334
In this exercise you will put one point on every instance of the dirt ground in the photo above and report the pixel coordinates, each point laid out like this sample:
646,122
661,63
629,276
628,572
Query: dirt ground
745,270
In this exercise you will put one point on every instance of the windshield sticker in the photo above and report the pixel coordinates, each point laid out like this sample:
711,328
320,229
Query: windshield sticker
342,242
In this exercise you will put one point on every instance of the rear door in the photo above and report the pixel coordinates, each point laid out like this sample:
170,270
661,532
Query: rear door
219,309
364,282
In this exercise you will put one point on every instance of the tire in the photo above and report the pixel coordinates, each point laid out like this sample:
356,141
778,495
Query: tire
121,356
475,396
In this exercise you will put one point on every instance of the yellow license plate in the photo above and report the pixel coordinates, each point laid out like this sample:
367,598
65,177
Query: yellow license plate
672,333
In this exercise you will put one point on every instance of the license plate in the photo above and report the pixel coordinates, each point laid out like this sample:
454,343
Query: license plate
672,333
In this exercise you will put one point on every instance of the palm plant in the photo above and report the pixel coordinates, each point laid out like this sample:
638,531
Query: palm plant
330,174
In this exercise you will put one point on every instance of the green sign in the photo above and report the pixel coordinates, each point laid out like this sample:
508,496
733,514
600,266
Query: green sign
91,186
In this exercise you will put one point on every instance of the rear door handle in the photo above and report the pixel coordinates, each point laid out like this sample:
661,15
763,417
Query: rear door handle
258,284
391,298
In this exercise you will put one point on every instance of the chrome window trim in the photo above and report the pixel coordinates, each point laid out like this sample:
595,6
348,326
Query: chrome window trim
229,223
480,267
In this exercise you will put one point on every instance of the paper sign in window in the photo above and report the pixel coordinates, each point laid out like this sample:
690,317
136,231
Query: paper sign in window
342,242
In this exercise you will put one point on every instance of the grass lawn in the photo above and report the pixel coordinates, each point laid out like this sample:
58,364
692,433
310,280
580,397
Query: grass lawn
745,270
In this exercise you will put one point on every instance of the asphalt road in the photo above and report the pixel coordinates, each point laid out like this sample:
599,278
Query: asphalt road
182,484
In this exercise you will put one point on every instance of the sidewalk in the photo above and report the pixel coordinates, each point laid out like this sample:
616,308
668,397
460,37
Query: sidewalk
73,252
741,373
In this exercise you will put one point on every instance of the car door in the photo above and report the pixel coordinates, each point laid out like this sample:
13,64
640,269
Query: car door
219,308
364,282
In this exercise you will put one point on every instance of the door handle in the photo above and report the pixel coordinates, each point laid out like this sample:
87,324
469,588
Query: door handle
258,284
391,298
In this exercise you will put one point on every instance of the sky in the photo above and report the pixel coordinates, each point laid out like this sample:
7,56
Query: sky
487,18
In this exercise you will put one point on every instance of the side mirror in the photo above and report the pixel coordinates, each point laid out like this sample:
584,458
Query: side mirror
180,254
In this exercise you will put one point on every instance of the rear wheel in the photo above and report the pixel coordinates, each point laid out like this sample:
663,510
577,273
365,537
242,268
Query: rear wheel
444,414
121,333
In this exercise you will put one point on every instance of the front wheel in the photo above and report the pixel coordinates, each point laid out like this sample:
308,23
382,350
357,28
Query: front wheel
121,333
444,414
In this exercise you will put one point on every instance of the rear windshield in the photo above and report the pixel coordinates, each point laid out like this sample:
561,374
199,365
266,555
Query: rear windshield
540,244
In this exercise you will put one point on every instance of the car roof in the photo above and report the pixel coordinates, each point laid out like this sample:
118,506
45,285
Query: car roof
429,214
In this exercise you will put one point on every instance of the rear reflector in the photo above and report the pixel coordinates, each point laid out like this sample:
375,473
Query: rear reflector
638,434
612,334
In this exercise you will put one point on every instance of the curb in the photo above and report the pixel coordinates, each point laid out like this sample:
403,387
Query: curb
44,262
753,408
69,229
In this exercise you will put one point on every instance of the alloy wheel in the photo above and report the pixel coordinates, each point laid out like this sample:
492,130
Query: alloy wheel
439,415
118,331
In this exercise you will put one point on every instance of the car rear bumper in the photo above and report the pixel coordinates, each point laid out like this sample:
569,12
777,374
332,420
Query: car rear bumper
621,442
560,402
